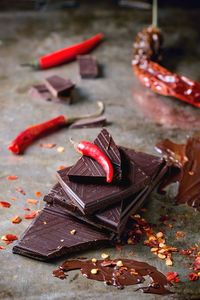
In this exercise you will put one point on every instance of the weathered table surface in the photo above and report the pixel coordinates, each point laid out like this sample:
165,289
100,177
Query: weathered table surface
137,118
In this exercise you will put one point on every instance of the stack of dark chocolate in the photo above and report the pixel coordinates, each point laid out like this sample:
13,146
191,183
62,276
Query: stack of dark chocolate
83,211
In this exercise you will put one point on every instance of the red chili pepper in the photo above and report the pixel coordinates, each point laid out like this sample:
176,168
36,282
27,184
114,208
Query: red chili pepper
27,137
164,82
93,151
66,54
32,133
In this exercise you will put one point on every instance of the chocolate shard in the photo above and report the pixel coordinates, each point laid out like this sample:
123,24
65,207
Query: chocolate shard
49,236
115,217
89,170
58,86
89,123
88,67
40,92
90,197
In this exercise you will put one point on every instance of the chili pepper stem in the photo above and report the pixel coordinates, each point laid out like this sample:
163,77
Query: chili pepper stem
74,143
155,13
99,112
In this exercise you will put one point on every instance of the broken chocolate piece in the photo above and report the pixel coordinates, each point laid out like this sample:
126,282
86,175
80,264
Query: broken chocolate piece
89,170
89,123
58,86
88,67
90,197
49,236
132,272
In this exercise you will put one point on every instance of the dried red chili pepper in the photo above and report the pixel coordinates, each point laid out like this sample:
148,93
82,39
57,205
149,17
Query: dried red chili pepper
32,133
156,77
4,204
9,238
166,83
16,220
66,54
89,149
30,216
20,190
172,277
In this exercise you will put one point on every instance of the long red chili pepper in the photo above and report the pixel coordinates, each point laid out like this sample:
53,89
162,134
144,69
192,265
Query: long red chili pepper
66,54
93,151
32,133
164,82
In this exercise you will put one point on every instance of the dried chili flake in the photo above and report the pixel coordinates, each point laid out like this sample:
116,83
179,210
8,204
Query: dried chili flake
131,253
30,216
32,201
143,209
26,208
62,167
4,204
172,277
38,194
118,247
192,276
16,220
20,190
2,248
9,238
196,264
13,199
12,178
47,146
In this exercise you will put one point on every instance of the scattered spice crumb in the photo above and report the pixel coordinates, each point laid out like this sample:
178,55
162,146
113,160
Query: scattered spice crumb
104,255
9,238
44,222
20,190
172,277
16,220
94,260
32,201
60,149
119,263
38,194
30,216
131,253
12,177
62,167
193,276
118,247
4,204
62,240
94,271
73,232
47,146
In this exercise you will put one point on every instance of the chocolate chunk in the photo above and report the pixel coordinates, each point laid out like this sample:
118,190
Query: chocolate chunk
113,218
40,92
58,86
88,67
89,123
49,236
89,170
119,273
92,197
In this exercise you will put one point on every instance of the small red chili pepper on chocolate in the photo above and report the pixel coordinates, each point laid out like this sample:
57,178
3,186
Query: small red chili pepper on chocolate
66,54
89,149
28,136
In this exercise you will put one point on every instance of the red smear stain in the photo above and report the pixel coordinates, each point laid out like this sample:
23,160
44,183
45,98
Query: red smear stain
4,204
193,276
62,167
47,146
12,177
30,216
38,194
172,277
20,190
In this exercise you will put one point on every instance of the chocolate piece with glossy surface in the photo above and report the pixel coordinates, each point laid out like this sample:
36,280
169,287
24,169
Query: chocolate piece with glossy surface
58,86
49,236
88,67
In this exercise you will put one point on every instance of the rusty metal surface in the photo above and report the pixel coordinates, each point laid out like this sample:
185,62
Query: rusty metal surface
137,118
